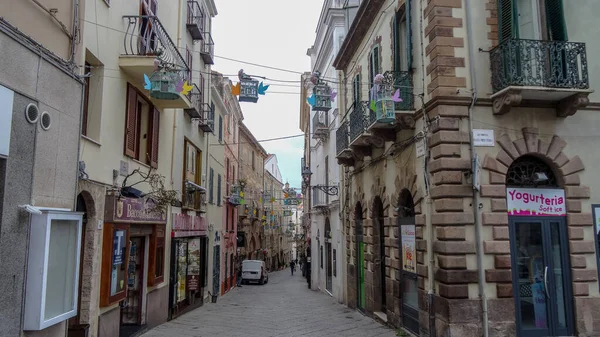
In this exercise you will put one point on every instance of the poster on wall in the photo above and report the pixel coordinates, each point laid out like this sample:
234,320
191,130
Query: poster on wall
596,211
409,263
193,268
535,202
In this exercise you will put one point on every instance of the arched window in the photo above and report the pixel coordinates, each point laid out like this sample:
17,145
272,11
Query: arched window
529,171
358,216
406,204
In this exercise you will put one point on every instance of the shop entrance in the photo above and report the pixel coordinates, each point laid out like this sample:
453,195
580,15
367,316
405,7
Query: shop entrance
329,263
409,285
131,307
540,261
360,259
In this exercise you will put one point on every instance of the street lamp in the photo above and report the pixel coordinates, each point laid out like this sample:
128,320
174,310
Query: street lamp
306,175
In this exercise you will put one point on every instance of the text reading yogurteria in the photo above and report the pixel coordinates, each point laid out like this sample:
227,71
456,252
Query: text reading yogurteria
535,202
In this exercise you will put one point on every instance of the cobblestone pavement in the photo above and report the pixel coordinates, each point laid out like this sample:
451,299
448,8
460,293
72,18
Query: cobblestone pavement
283,307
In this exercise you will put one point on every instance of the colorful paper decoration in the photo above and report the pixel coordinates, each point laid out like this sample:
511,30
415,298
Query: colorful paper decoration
262,88
183,87
333,95
147,84
235,90
396,98
312,100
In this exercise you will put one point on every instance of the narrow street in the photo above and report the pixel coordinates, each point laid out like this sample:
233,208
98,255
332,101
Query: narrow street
283,307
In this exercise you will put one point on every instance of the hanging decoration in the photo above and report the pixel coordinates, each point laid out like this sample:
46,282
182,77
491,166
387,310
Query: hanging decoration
165,82
382,101
322,94
248,89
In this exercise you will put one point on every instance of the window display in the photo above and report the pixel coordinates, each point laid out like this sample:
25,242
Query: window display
115,254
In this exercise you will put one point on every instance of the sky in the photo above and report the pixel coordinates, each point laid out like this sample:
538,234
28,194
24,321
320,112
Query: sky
274,33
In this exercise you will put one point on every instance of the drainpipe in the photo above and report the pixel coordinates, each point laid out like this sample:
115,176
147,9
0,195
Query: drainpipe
78,142
476,201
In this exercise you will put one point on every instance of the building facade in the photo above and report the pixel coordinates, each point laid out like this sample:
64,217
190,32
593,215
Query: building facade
229,184
42,228
251,169
325,203
146,111
471,200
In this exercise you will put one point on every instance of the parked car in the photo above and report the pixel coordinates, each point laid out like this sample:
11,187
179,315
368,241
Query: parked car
254,271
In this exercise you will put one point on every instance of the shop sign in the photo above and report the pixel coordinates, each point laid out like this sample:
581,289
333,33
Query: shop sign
131,210
188,225
535,202
409,262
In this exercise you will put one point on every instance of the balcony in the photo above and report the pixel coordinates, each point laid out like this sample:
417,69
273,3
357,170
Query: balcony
195,20
195,197
234,197
539,73
207,49
145,41
320,125
200,110
342,145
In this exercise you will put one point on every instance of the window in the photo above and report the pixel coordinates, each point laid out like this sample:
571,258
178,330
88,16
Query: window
142,122
220,129
253,163
53,269
219,196
402,39
115,254
211,183
356,90
193,169
156,270
189,60
519,19
226,175
86,100
374,68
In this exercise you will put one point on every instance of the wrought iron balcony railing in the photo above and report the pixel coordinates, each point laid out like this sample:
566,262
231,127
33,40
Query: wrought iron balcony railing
195,20
402,81
359,120
200,110
320,125
342,140
146,36
207,47
550,64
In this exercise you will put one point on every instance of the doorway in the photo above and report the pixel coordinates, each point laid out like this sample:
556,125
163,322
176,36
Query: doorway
361,297
329,263
541,278
216,270
379,246
131,308
409,286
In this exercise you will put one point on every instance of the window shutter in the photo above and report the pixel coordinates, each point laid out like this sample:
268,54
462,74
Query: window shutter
555,19
376,69
395,34
211,182
408,23
371,75
220,129
153,141
219,190
507,20
131,131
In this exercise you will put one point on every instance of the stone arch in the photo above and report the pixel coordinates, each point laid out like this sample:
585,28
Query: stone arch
565,169
359,200
411,187
379,191
88,200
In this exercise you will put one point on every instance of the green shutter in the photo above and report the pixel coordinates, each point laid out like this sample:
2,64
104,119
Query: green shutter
396,42
555,19
407,22
507,22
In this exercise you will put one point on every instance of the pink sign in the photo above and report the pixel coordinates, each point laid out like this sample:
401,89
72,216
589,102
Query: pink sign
535,202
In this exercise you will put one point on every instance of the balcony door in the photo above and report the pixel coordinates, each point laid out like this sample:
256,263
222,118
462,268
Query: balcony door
148,29
528,19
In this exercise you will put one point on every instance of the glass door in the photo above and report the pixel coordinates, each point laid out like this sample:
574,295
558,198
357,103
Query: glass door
539,263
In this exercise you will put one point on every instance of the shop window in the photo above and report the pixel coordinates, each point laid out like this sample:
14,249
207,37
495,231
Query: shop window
53,269
141,128
156,267
192,162
115,254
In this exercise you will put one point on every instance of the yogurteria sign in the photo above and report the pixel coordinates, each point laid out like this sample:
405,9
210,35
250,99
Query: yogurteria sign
535,202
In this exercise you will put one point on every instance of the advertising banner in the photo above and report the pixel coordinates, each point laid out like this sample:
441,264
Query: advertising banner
409,262
535,202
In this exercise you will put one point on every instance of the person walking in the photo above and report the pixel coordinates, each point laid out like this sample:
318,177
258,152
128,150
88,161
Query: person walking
292,266
239,275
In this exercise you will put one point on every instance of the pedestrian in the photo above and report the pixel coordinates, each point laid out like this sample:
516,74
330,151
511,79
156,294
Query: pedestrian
292,267
239,275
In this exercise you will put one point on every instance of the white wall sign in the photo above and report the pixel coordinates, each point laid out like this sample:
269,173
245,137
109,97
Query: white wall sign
535,202
483,137
6,111
420,148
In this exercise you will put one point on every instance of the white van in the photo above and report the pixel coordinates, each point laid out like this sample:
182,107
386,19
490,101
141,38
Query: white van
254,271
